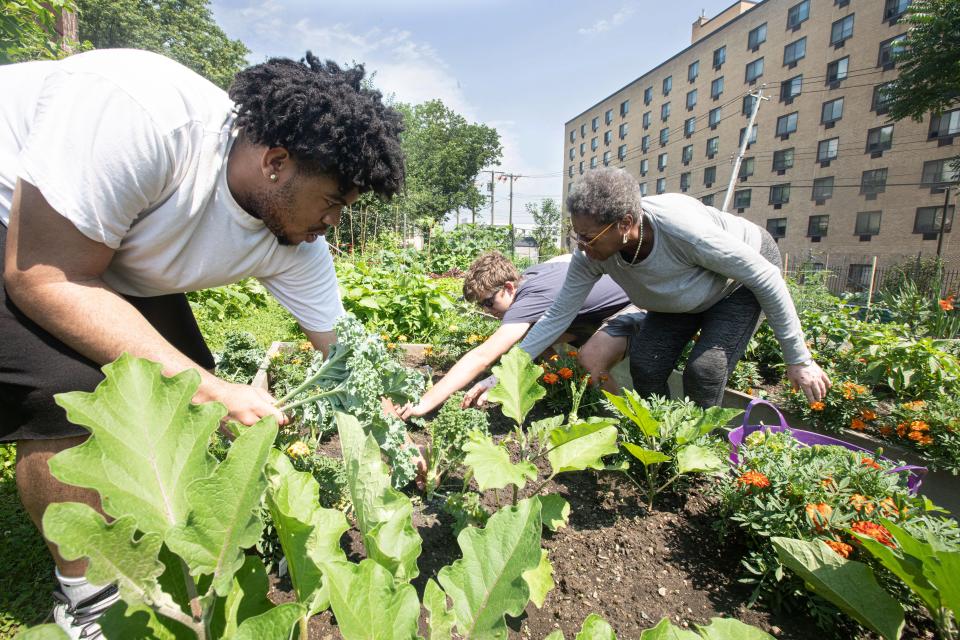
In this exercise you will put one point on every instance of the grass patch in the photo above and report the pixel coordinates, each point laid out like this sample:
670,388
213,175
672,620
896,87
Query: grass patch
267,324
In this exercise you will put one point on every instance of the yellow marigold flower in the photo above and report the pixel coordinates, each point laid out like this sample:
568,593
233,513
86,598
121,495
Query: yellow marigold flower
391,346
305,346
554,358
914,405
453,327
427,350
298,449
401,338
384,336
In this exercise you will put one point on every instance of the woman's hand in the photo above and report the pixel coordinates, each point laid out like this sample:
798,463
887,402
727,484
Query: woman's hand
478,393
810,379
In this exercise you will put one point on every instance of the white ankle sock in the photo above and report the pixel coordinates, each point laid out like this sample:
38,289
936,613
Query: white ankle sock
76,589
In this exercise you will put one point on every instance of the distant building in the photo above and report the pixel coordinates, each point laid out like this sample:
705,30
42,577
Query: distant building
825,172
527,248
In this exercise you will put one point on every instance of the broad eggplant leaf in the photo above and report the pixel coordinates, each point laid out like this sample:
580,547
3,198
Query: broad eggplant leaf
111,549
555,511
247,598
384,515
556,634
517,389
664,630
42,632
139,622
491,464
731,629
369,604
582,445
440,619
628,405
275,624
487,583
712,418
646,456
540,580
848,584
696,459
309,534
596,628
224,509
148,444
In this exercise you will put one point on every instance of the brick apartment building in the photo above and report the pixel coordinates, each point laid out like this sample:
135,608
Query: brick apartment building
826,171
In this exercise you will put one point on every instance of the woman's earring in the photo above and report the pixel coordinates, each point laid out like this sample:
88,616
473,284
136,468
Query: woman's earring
624,237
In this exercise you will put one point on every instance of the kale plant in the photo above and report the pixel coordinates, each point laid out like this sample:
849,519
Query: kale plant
449,432
241,357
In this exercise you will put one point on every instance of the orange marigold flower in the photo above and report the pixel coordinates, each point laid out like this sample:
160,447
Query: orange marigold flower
818,514
551,378
886,430
916,436
867,414
873,530
919,425
947,303
889,507
914,405
870,462
925,440
817,406
858,425
753,479
902,429
827,482
861,503
566,373
842,549
572,353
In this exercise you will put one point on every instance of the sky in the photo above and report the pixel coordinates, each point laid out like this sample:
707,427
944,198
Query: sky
523,67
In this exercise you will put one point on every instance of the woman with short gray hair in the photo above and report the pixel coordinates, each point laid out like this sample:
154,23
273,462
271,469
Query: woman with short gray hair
694,269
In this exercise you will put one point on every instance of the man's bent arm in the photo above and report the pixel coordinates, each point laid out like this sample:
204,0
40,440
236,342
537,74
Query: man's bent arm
52,272
321,340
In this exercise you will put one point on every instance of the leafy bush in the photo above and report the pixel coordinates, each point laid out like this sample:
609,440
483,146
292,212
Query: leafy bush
461,333
230,301
241,357
449,432
457,248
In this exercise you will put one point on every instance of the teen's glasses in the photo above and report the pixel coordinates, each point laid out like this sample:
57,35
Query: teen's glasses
487,303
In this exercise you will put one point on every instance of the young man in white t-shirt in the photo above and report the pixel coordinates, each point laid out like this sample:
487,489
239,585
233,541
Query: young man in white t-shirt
125,181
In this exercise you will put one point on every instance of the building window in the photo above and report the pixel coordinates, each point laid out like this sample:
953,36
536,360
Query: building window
594,144
868,223
741,198
873,181
572,152
837,70
583,148
665,111
570,171
709,176
945,125
664,136
647,96
622,152
780,194
608,117
817,226
928,221
595,123
593,162
798,14
754,70
879,139
822,188
795,51
753,135
937,173
889,50
645,144
583,131
689,126
841,30
716,87
748,102
662,161
691,99
569,187
707,199
746,168
790,89
581,166
719,57
881,98
624,108
643,188
646,119
607,137
644,166
777,227
667,85
831,111
713,147
685,181
756,37
606,158
827,150
783,159
787,124
693,70
687,154
573,135
624,128
893,9
713,118
661,185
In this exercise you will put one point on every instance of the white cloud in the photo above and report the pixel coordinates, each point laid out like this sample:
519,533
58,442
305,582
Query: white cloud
614,21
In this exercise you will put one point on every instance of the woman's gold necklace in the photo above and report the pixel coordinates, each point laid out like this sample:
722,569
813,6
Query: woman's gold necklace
639,244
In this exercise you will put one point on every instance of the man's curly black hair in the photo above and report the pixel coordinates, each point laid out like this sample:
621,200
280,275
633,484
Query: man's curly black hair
325,118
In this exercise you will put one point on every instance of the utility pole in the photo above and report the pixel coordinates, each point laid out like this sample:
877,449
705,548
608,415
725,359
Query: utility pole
493,179
758,98
513,241
943,221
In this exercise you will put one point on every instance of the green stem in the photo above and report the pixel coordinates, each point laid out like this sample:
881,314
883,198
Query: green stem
299,403
304,628
199,624
516,490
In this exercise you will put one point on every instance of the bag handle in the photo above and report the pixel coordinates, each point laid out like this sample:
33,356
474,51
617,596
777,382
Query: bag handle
749,428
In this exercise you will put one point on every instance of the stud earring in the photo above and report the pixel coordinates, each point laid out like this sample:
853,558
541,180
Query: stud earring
273,177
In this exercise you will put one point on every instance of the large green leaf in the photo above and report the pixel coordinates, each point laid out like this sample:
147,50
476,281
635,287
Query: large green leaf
540,580
309,534
139,622
731,629
42,632
848,584
517,389
113,553
944,574
369,604
384,515
712,418
275,624
487,583
149,442
247,598
664,630
491,464
630,407
582,445
224,509
596,628
555,511
556,634
696,459
646,456
440,619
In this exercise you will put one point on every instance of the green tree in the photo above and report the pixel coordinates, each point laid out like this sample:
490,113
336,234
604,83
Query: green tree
546,217
28,30
929,62
183,30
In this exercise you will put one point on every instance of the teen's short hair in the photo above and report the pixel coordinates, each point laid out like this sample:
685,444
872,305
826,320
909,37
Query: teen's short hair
487,274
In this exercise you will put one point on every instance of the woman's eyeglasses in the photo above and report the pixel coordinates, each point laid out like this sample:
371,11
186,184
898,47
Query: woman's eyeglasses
584,242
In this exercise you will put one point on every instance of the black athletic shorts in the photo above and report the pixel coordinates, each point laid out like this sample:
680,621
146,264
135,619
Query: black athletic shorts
34,365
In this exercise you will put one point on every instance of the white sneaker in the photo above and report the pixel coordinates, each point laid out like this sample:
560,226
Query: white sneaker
80,621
